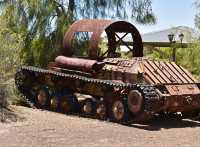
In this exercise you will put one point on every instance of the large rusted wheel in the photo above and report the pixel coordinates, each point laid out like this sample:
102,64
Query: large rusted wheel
42,98
65,102
136,107
65,105
118,111
135,102
101,110
87,107
54,102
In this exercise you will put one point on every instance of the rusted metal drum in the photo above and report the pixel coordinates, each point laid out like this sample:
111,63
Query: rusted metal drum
85,65
97,27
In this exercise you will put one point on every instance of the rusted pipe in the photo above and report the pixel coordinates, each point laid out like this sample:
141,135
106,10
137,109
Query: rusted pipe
84,65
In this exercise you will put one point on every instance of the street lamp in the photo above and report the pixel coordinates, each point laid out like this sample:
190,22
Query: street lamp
172,40
181,36
171,37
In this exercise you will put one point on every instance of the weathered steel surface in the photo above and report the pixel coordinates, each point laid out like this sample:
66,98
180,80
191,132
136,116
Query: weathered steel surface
97,27
160,72
177,81
125,70
84,65
191,89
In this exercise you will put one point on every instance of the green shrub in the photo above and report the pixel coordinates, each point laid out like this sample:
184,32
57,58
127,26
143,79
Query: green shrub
10,47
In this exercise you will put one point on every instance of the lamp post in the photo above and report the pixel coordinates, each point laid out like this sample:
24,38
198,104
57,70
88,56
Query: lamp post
181,36
171,37
173,41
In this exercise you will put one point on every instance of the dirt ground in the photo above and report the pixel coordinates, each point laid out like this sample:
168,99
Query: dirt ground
37,128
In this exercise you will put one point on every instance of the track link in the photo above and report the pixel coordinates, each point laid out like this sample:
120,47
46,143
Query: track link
149,92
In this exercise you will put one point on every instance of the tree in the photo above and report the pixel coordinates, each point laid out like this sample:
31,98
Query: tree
10,45
42,23
197,16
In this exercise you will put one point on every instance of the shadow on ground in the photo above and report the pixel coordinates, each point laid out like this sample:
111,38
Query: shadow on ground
11,114
159,123
155,124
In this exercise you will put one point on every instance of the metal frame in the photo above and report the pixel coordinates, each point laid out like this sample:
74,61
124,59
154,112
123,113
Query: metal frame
97,27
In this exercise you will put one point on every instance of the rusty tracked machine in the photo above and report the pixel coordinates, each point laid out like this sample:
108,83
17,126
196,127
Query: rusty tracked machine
119,89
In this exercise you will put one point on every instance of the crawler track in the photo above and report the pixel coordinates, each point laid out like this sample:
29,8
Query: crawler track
24,85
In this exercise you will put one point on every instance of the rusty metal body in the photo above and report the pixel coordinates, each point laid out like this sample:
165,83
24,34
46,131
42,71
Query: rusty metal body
174,82
120,88
179,90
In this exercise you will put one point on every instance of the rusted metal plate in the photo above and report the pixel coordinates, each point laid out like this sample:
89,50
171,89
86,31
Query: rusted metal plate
154,71
125,70
188,89
85,65
189,75
161,72
97,27
182,103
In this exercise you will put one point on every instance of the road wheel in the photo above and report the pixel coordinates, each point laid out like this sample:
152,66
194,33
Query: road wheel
117,111
101,110
65,105
42,98
88,107
54,104
135,102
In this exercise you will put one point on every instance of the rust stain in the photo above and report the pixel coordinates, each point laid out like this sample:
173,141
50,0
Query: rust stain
97,27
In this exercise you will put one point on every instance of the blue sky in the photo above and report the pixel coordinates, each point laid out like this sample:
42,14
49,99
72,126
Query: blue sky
171,13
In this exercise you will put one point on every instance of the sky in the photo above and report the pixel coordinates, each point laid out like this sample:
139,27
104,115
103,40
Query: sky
170,13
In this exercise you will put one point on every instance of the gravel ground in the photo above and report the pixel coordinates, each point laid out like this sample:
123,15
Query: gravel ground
38,128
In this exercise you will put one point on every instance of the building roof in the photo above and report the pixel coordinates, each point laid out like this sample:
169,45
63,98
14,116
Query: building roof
190,35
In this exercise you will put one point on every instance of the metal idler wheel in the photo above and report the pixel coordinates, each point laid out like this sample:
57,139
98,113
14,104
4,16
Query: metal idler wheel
135,102
117,112
101,110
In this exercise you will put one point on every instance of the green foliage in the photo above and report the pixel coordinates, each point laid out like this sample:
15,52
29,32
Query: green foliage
197,16
190,58
42,23
163,54
10,47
